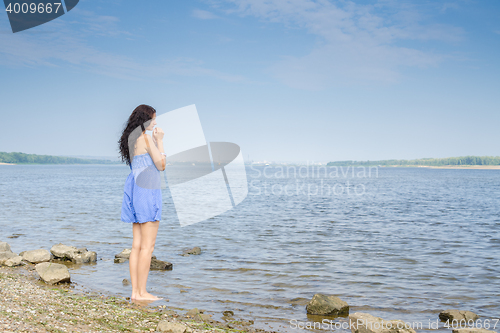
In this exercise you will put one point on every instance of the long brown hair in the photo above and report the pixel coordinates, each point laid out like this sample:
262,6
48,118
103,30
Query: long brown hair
140,117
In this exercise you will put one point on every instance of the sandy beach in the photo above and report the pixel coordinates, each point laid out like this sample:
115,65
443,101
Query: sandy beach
476,167
1,163
30,305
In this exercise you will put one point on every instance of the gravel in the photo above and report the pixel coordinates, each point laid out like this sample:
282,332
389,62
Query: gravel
29,305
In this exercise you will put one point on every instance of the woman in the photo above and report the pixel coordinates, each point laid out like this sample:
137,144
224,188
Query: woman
142,193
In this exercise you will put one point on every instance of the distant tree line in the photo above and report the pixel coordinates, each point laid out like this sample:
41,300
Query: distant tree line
463,160
22,158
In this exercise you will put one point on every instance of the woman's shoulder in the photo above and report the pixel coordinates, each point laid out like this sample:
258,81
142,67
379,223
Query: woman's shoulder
141,141
145,135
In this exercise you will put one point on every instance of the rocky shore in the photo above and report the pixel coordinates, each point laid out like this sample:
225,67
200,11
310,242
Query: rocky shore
30,305
37,295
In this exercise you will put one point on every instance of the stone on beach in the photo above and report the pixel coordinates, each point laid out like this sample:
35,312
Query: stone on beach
327,305
366,323
89,256
171,327
53,273
458,315
195,250
198,315
160,265
155,263
14,261
36,256
125,254
4,256
194,313
5,247
71,253
228,313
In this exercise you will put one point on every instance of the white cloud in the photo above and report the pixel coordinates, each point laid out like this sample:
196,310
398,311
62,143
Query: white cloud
356,43
204,15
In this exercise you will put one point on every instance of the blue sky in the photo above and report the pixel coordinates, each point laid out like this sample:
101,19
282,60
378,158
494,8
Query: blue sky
287,80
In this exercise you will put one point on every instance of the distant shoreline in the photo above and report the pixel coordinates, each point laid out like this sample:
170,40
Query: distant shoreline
477,167
2,163
22,158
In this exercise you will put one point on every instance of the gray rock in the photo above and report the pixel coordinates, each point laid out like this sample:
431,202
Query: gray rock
193,312
64,252
36,256
5,247
125,254
89,256
205,317
327,305
366,323
160,265
85,258
195,250
71,253
197,315
472,330
6,255
171,327
458,315
53,273
77,259
228,313
14,261
125,282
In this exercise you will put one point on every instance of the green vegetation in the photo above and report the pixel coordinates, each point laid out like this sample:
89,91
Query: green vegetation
22,158
464,160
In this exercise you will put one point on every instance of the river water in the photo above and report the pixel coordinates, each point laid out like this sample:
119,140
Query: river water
399,243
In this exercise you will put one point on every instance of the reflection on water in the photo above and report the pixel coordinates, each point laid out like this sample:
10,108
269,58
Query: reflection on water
415,242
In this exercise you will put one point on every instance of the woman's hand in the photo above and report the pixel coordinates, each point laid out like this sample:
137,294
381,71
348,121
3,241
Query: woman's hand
157,135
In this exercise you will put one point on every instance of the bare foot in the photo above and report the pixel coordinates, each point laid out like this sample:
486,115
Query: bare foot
147,297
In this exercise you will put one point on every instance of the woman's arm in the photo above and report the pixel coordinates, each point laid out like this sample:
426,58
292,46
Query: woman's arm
156,150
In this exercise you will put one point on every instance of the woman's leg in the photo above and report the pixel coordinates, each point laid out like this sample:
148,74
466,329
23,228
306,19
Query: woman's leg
134,258
148,239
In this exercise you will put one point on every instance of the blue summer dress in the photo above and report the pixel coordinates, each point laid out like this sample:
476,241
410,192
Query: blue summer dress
142,192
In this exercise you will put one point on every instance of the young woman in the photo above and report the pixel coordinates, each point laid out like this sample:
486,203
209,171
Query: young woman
141,204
